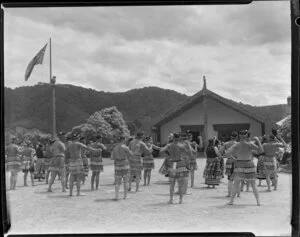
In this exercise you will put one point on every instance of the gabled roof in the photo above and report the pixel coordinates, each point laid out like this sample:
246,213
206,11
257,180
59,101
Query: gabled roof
198,98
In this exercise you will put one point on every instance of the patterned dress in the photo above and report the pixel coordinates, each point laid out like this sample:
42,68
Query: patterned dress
212,172
75,159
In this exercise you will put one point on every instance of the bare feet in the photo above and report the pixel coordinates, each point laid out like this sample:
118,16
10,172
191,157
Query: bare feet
50,191
228,196
230,203
170,202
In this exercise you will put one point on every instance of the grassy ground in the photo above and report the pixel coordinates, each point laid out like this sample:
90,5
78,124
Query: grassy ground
34,211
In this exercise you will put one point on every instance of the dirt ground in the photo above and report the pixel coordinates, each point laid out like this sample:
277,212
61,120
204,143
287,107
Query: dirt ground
34,211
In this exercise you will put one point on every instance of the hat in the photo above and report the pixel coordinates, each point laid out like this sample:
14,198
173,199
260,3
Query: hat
176,135
60,134
184,136
243,133
148,138
139,134
272,137
234,135
75,136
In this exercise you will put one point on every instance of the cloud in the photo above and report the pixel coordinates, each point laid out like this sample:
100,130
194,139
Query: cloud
244,51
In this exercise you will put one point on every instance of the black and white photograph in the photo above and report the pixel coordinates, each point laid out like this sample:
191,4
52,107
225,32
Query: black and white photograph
148,119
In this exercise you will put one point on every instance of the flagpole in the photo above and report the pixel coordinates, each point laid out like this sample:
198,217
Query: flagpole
52,82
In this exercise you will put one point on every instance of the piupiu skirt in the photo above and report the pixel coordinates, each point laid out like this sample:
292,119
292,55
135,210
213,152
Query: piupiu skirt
244,170
14,163
270,165
57,163
76,167
148,162
96,164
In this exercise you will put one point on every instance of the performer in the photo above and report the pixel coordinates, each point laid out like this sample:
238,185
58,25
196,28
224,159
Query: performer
270,163
244,168
40,170
28,162
48,159
67,159
229,166
176,165
164,168
212,172
84,160
121,154
57,166
96,164
13,152
137,147
148,160
75,150
193,163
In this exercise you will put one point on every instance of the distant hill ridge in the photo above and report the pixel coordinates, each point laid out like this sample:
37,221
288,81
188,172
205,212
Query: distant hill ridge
31,106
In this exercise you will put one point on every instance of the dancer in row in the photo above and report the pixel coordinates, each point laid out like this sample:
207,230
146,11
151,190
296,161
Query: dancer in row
48,159
177,166
148,160
244,168
96,164
270,163
27,164
121,155
229,166
40,169
13,152
137,147
75,150
57,166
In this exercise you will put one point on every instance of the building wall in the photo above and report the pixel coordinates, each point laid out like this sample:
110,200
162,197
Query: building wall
217,114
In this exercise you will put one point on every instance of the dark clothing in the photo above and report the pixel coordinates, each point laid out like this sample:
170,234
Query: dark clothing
39,153
210,152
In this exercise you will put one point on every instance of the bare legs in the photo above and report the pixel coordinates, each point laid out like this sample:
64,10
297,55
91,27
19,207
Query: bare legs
192,178
13,179
230,187
172,186
137,180
147,176
95,179
268,182
75,178
53,176
47,175
236,188
117,186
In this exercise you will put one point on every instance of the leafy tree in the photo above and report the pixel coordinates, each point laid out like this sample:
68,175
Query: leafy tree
108,123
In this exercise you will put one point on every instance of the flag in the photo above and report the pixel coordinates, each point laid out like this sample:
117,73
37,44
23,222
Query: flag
38,59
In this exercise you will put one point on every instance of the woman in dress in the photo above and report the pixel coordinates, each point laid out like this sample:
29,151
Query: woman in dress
269,159
28,162
212,172
148,160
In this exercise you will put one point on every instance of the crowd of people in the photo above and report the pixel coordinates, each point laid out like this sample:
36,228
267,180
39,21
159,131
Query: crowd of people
72,158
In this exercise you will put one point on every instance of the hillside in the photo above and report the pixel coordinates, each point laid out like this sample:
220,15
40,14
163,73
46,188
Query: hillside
31,107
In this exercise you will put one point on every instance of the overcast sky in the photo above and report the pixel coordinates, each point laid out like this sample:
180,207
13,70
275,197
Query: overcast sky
243,50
